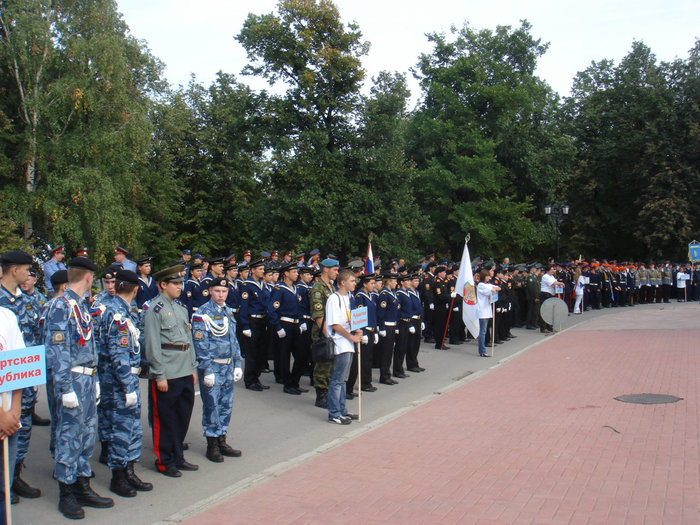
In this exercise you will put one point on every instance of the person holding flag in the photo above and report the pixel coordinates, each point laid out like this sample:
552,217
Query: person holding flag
464,287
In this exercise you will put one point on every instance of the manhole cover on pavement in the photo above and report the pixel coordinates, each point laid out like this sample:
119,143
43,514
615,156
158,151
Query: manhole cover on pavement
648,399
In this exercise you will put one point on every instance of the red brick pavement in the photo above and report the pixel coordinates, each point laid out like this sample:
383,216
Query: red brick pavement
538,440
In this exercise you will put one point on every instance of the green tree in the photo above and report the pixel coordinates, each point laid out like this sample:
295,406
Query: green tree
636,177
81,90
484,138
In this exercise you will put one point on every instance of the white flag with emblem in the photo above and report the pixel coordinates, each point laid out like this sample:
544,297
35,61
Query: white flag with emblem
466,289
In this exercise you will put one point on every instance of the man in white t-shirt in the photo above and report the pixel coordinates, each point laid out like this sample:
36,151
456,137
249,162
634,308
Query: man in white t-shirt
10,339
338,309
546,291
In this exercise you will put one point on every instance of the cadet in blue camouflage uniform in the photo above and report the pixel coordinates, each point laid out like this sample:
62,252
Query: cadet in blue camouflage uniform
59,281
218,366
72,362
104,409
122,350
16,268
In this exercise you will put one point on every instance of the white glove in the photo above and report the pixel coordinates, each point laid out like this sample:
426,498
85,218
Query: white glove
131,399
237,374
376,339
281,333
69,400
411,329
209,380
422,326
382,333
365,340
453,295
302,328
247,333
97,391
396,331
431,306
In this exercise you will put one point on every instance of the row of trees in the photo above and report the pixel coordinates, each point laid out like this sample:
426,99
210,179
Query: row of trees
96,149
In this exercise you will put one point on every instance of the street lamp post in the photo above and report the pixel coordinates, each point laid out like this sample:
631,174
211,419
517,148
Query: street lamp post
558,214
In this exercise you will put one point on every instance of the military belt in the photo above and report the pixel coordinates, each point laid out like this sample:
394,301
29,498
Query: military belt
235,310
416,317
222,361
289,320
169,346
405,319
390,323
85,370
258,316
307,317
369,328
136,370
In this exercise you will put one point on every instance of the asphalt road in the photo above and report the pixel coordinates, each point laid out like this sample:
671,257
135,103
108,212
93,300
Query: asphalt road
275,431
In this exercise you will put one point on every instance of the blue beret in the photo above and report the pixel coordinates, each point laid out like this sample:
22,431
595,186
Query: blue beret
329,263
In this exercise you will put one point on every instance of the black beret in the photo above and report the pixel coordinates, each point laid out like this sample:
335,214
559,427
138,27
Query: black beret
230,266
59,277
195,266
389,275
127,276
367,277
16,257
256,263
219,281
271,269
305,269
111,271
216,260
440,269
144,260
82,263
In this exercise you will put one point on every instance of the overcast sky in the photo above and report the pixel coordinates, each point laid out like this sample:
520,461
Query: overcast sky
197,37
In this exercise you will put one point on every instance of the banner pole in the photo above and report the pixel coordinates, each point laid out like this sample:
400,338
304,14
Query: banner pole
6,470
359,381
493,330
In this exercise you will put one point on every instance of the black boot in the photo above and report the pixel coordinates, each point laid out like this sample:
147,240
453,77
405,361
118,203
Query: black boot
104,452
39,421
322,397
226,449
119,484
87,497
213,452
21,488
135,481
67,504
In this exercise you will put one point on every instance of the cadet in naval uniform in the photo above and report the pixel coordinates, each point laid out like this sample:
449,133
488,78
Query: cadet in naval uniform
218,367
148,288
253,323
171,360
288,323
387,319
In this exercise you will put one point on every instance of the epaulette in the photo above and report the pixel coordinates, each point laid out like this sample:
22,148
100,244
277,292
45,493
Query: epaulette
158,307
178,301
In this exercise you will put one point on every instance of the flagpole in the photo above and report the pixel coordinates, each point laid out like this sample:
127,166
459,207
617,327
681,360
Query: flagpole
493,330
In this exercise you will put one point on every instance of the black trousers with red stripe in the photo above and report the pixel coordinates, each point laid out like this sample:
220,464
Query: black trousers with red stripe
169,415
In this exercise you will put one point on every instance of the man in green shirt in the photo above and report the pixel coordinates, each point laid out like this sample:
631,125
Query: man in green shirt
173,365
320,292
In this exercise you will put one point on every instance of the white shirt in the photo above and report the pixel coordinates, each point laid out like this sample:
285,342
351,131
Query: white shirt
10,338
548,284
681,277
483,300
580,284
338,312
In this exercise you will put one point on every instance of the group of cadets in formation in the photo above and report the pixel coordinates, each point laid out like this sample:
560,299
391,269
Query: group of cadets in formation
262,310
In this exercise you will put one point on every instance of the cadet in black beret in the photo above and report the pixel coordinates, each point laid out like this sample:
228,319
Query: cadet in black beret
59,277
219,281
82,263
256,263
126,276
16,257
